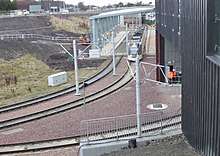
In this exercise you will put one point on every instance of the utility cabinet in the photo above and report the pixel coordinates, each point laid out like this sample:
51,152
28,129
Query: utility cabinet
57,79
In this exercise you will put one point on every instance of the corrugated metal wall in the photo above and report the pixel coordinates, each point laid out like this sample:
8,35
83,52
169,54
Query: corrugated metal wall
160,55
200,67
167,12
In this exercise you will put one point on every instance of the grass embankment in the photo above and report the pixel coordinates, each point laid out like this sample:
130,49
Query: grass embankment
73,24
31,78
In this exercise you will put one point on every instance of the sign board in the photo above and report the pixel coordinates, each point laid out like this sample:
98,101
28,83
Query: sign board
35,8
122,21
94,53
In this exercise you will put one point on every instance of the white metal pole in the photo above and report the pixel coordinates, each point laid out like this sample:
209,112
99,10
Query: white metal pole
84,98
140,20
94,31
138,96
127,50
136,22
132,23
76,67
113,53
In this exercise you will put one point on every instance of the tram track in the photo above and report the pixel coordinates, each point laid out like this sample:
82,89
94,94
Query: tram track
52,144
73,141
59,93
44,106
123,80
101,74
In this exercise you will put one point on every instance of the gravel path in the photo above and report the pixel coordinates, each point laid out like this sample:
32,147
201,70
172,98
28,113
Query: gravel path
150,43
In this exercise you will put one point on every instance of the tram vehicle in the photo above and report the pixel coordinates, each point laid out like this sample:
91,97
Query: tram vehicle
135,46
133,51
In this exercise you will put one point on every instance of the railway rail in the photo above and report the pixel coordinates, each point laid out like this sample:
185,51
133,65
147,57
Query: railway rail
62,92
17,117
70,89
149,129
52,144
123,80
169,123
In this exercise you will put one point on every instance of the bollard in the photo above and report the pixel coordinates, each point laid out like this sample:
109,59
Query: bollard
161,122
116,128
87,132
132,143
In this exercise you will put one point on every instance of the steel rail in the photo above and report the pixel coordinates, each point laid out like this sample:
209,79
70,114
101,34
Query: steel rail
50,144
101,74
122,81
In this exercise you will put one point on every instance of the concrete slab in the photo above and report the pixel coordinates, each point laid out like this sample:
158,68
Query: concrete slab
103,147
12,131
107,49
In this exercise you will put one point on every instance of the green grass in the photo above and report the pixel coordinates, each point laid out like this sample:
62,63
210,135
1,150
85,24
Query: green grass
32,78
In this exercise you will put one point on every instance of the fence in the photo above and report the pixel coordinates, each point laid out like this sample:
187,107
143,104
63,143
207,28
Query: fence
153,123
149,70
34,36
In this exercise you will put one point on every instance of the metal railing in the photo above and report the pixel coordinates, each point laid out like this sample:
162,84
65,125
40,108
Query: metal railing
149,70
35,36
153,123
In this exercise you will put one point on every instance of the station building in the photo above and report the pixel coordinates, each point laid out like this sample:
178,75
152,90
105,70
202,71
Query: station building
188,33
23,4
53,6
42,5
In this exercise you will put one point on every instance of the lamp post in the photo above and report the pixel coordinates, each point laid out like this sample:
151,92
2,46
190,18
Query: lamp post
85,84
113,52
127,33
84,94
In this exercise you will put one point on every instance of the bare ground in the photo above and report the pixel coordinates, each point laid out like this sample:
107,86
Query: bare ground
172,146
48,56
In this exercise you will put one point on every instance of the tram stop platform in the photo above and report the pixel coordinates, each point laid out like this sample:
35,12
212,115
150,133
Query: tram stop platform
108,48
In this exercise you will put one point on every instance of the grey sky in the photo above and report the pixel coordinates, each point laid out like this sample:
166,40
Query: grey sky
104,2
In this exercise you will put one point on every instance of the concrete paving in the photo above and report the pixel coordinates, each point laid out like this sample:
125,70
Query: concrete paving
150,42
170,146
122,102
107,49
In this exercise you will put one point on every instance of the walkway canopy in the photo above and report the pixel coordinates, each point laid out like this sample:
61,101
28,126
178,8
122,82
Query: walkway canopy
106,22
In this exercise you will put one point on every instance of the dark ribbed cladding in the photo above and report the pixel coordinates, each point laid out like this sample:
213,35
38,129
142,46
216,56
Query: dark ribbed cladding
200,68
160,55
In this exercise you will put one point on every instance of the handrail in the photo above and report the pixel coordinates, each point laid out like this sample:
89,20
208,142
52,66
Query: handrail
122,126
36,36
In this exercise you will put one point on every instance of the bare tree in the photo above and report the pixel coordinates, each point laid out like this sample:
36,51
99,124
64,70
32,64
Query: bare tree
81,6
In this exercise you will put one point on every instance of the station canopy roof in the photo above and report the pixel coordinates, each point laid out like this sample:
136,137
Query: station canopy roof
129,11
